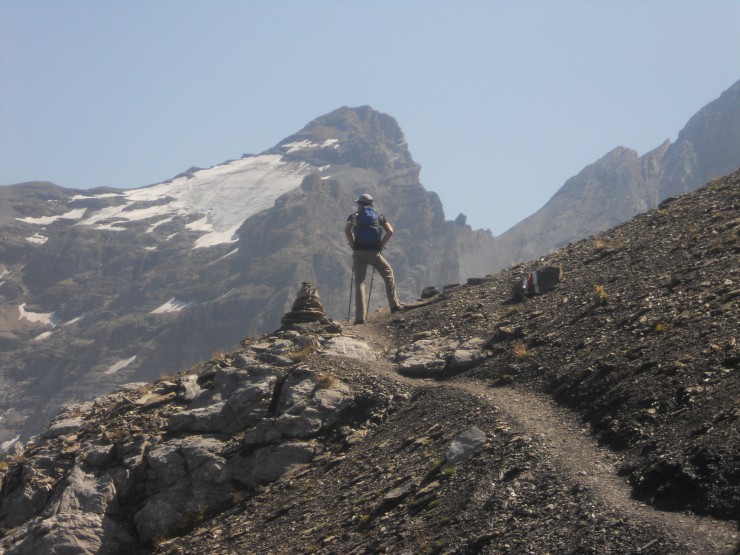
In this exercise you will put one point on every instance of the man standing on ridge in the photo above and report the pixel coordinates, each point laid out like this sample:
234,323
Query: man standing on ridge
364,232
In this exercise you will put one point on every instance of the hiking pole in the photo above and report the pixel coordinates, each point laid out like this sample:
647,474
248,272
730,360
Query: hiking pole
367,308
351,283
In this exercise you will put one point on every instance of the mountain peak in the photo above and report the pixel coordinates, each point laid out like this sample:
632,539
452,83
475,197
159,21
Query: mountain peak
360,136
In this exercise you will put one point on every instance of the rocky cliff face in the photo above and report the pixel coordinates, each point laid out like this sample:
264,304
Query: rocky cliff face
103,287
623,184
433,430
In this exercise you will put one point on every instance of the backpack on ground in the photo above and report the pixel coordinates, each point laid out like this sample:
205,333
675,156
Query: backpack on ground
368,232
539,281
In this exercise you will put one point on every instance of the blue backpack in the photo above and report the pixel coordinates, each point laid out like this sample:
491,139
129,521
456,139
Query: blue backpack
368,232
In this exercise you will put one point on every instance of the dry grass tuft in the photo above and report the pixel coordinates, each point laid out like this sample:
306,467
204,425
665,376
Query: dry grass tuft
600,296
325,381
302,354
521,351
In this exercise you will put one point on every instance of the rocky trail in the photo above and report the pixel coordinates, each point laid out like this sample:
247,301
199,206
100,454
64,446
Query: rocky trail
567,442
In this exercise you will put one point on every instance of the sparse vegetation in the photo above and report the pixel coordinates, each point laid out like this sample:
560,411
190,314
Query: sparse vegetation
599,296
602,244
435,503
302,354
512,312
449,471
521,351
325,381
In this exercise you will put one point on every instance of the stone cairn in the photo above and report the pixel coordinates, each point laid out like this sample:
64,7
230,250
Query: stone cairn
306,307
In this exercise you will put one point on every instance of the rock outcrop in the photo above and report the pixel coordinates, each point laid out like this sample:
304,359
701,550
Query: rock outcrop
144,464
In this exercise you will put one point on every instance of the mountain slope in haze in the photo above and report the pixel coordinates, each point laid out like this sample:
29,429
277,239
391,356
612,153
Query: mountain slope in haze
107,286
622,184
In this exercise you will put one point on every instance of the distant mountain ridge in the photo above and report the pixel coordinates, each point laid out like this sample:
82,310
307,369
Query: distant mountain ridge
102,287
622,184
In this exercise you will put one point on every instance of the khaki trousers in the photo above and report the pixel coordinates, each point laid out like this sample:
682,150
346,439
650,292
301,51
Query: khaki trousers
360,262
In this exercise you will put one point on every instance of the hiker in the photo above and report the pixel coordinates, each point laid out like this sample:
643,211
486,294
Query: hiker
364,231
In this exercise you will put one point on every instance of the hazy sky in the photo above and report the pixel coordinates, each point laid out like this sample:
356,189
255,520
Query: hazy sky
500,101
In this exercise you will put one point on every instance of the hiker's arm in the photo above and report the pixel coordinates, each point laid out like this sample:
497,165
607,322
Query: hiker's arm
388,233
348,234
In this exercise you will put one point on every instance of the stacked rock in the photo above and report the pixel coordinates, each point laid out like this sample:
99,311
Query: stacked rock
306,307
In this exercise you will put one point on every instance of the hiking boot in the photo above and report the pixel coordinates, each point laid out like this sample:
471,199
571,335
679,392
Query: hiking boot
399,308
359,322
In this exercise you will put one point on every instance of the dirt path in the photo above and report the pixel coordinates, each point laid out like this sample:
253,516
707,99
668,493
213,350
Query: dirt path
572,449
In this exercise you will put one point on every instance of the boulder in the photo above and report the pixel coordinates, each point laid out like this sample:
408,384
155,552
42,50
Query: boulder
62,427
349,347
74,521
468,354
425,357
269,463
61,534
237,401
465,444
186,478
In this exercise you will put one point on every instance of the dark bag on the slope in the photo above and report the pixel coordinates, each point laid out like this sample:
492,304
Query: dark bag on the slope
540,281
368,232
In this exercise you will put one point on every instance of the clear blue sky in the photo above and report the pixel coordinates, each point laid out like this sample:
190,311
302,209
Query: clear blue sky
500,101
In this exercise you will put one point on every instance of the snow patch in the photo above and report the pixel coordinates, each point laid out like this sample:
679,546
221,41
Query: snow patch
226,294
217,238
159,223
305,143
104,195
4,273
46,220
5,445
73,321
37,239
119,365
173,305
112,226
47,318
200,225
234,251
227,195
298,145
44,335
